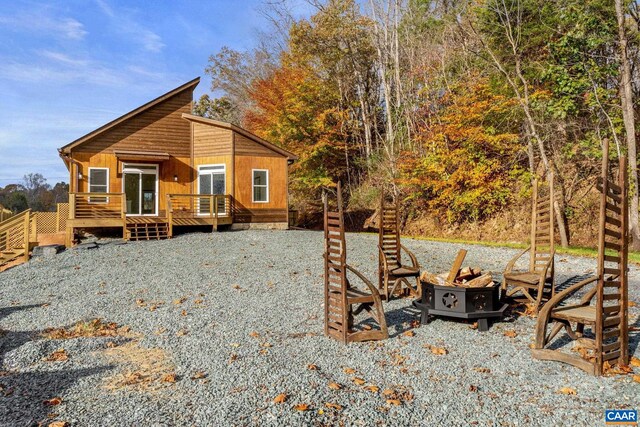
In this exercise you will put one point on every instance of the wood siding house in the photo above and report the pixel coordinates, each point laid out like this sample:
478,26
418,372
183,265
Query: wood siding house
159,166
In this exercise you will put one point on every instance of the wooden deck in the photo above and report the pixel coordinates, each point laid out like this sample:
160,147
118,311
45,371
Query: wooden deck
104,210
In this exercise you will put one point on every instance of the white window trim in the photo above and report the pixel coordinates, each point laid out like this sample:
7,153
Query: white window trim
253,171
106,200
210,172
131,168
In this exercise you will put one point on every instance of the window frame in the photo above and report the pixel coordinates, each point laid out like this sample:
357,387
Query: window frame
253,185
98,200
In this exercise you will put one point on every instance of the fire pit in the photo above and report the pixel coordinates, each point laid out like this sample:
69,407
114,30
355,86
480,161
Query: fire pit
462,293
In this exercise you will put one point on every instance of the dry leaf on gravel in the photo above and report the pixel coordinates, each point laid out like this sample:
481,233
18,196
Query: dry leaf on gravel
409,333
140,303
334,386
254,334
473,388
394,402
358,381
182,332
635,362
387,392
632,303
568,391
57,356
312,367
510,333
438,351
183,313
53,401
170,378
372,388
301,407
179,301
636,378
281,398
333,406
58,424
349,371
482,370
199,375
367,327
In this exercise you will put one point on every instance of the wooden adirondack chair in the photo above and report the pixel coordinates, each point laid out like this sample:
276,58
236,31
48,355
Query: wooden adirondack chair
393,275
537,283
340,297
603,308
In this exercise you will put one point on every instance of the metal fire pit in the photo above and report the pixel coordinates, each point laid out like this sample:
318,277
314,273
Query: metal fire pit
481,304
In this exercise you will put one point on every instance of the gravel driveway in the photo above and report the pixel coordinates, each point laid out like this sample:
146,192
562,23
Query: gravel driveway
211,328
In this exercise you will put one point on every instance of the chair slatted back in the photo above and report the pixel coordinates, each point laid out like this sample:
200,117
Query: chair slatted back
611,330
389,232
542,225
335,279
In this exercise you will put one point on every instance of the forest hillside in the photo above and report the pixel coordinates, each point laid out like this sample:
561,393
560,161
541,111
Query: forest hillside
453,105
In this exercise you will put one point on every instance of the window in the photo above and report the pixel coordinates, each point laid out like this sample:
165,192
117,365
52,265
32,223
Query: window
260,186
211,180
98,183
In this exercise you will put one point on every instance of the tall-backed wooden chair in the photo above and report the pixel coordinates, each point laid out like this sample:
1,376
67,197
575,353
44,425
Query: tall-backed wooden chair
394,276
342,301
603,308
537,283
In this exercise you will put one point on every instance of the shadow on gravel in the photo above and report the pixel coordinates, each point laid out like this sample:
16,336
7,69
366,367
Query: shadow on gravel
23,394
399,318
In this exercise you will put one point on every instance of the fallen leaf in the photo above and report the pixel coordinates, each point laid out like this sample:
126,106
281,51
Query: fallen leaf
140,303
58,424
635,362
333,406
160,331
179,301
409,333
567,390
312,367
198,375
510,333
387,392
372,388
394,402
349,371
266,344
235,344
334,386
264,351
632,303
170,378
254,334
367,327
358,381
482,370
181,332
53,401
183,313
301,407
233,357
57,356
473,388
198,301
438,351
415,323
281,398
636,378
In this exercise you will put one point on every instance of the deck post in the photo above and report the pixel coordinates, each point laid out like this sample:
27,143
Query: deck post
170,216
27,219
123,213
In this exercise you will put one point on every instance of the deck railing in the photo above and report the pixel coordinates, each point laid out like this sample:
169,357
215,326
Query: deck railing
15,233
97,206
199,206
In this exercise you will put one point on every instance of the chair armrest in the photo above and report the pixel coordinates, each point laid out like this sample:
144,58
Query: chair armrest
414,261
366,281
545,312
513,261
383,257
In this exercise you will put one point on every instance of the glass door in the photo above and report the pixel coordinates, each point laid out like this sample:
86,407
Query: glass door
211,180
141,189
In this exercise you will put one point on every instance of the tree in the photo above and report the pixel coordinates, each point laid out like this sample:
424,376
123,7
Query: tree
217,108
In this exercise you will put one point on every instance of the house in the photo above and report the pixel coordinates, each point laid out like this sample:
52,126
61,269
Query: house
159,166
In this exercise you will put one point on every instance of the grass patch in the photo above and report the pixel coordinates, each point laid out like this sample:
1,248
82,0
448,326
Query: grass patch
634,257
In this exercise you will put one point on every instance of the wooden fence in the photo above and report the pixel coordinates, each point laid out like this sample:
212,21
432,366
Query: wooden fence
5,213
52,222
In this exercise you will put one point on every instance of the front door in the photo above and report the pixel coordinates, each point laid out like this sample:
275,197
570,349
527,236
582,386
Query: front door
211,180
141,189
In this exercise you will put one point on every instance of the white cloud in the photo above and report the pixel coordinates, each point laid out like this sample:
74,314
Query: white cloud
125,23
43,21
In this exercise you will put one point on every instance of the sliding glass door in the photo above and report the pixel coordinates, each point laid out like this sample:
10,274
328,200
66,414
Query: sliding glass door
211,180
141,189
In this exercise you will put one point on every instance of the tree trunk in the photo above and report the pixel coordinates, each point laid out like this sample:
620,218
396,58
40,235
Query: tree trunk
626,100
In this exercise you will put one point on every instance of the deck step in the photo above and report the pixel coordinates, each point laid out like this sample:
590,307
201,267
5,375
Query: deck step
148,231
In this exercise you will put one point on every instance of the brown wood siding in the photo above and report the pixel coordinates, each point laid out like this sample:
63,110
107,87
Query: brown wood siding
275,210
246,147
211,140
161,128
166,171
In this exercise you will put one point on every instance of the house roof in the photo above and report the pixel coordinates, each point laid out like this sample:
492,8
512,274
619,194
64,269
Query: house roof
187,86
289,155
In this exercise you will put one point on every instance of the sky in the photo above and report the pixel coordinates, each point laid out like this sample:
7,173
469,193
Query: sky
68,67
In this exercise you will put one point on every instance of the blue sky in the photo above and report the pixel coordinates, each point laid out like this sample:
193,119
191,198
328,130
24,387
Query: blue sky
68,67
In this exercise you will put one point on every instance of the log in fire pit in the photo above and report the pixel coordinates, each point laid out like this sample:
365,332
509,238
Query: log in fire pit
465,293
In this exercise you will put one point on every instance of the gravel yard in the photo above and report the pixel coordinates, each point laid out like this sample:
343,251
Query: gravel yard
213,327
